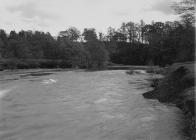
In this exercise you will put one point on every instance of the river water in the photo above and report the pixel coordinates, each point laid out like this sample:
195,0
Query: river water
78,105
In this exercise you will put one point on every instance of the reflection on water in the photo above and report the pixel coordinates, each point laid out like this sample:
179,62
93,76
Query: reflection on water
104,105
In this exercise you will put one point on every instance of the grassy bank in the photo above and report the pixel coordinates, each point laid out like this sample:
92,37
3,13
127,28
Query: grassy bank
177,87
32,63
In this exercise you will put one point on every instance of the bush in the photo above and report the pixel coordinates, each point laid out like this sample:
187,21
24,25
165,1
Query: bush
49,64
173,84
155,82
9,64
22,65
33,64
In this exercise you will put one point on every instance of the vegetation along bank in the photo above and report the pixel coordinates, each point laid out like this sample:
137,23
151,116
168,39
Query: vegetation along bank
177,87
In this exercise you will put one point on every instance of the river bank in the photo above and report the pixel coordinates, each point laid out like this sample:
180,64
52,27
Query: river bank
33,64
20,64
177,87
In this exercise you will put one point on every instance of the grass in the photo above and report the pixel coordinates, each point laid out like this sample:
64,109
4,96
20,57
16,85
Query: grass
32,63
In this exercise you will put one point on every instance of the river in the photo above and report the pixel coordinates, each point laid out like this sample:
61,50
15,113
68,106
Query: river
79,105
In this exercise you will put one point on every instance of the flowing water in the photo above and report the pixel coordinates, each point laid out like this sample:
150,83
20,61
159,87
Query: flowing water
78,105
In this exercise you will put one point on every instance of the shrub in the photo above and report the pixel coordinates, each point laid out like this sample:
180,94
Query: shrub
173,84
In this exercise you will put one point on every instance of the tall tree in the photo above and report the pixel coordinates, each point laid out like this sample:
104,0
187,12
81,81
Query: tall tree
1,48
131,31
97,54
4,43
186,10
142,24
72,34
110,34
89,34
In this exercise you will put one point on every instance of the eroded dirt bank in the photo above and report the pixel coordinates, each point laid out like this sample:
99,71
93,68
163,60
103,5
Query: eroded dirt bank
177,87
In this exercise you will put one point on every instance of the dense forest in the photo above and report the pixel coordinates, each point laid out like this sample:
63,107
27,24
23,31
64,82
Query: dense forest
157,43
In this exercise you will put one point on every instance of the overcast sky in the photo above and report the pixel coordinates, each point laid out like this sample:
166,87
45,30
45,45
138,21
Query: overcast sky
57,15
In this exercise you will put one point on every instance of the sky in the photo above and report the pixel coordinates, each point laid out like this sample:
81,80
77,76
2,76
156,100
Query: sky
58,15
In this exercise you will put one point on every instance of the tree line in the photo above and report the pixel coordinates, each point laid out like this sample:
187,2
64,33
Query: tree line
157,43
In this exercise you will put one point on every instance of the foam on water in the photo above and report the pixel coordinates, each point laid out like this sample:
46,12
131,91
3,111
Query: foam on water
102,100
113,116
148,118
140,71
49,81
3,92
